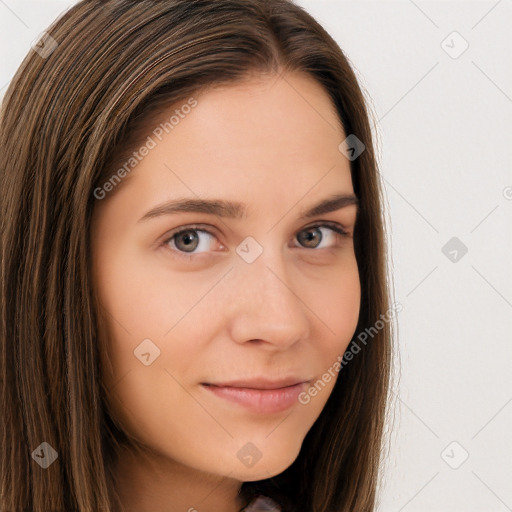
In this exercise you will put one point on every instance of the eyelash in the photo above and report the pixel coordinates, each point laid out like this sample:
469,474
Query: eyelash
197,227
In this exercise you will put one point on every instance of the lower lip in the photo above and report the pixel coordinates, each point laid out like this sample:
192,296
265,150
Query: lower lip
262,401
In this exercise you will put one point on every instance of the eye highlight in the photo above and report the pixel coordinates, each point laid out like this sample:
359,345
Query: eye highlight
184,240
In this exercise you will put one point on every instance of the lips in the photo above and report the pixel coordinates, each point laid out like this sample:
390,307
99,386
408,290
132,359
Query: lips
260,383
261,396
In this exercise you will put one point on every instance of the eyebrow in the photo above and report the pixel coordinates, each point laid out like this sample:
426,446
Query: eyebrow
237,210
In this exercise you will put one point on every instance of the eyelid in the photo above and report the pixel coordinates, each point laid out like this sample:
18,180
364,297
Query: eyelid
334,226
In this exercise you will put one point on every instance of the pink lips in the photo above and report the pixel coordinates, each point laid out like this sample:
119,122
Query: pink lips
264,400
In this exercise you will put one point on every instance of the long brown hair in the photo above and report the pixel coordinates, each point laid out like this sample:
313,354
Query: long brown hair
68,114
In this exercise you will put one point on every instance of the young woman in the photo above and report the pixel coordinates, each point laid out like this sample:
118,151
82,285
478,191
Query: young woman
193,274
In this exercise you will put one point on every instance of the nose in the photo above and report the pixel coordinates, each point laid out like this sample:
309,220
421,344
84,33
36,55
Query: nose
266,305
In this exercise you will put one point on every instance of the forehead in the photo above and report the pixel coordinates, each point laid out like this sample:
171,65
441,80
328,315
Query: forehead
273,135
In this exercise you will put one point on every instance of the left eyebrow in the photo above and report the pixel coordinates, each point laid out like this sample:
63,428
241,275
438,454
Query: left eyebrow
331,204
235,209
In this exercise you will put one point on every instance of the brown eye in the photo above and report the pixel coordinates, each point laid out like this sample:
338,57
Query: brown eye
190,241
310,237
187,241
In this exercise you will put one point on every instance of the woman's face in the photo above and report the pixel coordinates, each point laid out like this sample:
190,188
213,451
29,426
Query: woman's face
255,300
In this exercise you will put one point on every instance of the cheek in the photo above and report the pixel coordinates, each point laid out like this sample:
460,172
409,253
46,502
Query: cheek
344,308
336,302
337,310
338,307
148,316
145,300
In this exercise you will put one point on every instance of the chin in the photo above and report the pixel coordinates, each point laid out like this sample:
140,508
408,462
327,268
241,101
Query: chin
267,467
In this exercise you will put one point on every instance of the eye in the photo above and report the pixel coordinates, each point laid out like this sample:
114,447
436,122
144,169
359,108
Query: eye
185,240
312,236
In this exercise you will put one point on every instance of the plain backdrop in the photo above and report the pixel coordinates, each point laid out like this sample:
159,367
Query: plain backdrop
438,79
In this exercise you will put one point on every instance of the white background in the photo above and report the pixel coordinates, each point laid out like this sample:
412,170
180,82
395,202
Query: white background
444,133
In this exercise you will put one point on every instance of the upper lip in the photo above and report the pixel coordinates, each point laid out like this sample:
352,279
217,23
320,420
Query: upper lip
259,383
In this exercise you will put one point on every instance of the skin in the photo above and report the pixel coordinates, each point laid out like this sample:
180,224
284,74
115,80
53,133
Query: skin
270,142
